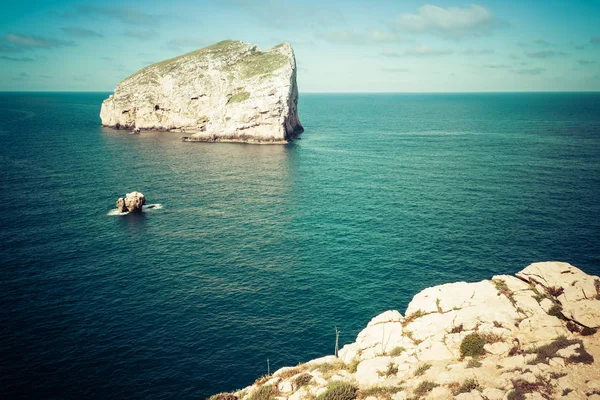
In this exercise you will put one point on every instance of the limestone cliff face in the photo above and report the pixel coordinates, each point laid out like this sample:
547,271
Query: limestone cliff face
230,91
533,336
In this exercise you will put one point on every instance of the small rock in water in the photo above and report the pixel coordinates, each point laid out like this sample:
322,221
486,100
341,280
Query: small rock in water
132,202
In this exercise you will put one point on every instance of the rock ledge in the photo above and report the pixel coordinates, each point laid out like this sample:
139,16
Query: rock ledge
533,336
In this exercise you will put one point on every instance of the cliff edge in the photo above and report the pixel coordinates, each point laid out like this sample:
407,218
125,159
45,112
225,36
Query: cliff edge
533,336
230,91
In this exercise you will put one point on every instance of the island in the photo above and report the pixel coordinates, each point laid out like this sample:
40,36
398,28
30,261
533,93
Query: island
529,336
230,91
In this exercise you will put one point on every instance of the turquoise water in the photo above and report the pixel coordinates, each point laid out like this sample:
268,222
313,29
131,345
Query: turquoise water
261,251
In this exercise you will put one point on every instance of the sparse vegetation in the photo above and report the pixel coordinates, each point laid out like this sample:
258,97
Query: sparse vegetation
238,97
265,392
329,369
521,387
410,318
555,290
424,388
262,379
566,391
396,351
437,304
557,375
353,366
260,64
472,345
422,369
223,396
556,311
339,390
392,369
302,380
491,337
498,324
465,387
384,392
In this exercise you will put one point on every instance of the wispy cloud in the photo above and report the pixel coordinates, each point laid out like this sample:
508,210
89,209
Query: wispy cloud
141,34
425,51
17,59
579,46
595,40
474,20
478,52
78,32
586,62
529,71
496,66
359,37
545,54
29,41
46,76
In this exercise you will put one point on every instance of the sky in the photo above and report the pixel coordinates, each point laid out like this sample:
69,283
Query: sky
340,46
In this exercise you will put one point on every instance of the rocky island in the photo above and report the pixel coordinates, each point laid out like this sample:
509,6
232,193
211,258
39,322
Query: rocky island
529,336
230,91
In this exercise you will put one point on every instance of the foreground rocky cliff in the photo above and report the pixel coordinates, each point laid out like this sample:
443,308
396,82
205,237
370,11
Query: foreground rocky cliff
533,336
230,91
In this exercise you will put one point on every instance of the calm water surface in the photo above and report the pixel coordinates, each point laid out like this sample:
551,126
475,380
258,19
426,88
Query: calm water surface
260,251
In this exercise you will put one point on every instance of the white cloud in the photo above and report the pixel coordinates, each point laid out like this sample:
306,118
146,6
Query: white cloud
452,21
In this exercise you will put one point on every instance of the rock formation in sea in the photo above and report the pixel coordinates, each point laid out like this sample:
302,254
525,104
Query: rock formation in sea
533,336
132,202
230,91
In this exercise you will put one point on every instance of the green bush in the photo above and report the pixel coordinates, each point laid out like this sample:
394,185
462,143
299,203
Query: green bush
472,345
339,390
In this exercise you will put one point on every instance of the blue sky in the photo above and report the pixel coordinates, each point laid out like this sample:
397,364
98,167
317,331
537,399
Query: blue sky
341,46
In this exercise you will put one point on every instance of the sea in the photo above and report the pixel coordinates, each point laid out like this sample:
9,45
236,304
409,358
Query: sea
254,255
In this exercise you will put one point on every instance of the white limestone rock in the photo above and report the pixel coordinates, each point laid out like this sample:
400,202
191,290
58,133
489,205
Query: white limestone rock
577,292
230,91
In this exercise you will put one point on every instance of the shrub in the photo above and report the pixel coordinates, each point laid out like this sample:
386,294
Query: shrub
472,345
392,369
555,290
491,337
379,391
422,369
424,387
556,311
353,366
265,392
566,391
457,329
223,396
396,351
302,380
465,387
339,390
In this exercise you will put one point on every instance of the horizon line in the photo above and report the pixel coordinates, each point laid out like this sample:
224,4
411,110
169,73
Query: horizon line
343,92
